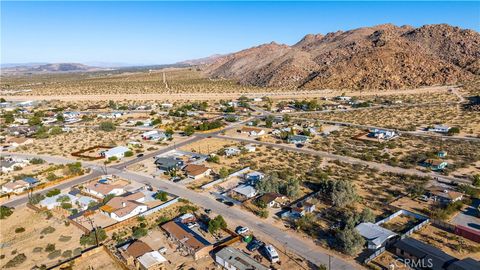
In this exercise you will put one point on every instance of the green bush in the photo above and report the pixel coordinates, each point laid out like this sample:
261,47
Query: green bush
107,126
53,192
19,230
50,248
54,254
47,230
5,212
128,154
16,261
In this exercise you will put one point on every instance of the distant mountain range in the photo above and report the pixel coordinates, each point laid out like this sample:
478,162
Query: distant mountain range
47,68
380,57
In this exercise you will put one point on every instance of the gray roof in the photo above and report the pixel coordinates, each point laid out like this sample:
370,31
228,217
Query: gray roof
465,264
428,253
239,260
374,233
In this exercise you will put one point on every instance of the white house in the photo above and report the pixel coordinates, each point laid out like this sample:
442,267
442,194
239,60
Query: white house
118,152
375,235
250,148
232,151
100,190
246,191
440,128
16,187
122,208
252,131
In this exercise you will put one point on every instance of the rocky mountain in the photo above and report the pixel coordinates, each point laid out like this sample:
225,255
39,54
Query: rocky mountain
379,57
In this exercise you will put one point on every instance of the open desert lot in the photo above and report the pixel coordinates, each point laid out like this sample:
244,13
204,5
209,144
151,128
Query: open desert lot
41,241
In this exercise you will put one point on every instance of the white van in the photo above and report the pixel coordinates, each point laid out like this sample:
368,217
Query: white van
272,253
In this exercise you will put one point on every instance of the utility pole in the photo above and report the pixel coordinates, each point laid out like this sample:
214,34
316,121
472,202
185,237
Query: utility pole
329,262
94,230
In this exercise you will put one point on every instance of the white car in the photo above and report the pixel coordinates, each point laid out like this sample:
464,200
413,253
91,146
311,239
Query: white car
242,230
272,253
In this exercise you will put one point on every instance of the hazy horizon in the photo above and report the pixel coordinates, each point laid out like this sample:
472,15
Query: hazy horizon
156,33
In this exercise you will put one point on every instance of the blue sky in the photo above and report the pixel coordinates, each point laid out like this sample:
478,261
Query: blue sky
167,32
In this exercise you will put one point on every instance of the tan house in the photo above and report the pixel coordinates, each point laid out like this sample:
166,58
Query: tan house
18,141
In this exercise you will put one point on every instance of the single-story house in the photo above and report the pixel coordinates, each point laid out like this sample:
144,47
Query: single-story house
100,190
439,129
56,201
232,151
9,165
154,135
376,235
118,152
429,257
382,134
297,139
436,164
250,148
189,240
16,187
125,207
253,177
195,171
445,196
18,141
142,256
246,191
272,199
234,259
252,131
168,164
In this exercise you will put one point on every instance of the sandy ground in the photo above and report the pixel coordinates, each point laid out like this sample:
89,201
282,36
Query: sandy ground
450,243
32,237
218,96
98,260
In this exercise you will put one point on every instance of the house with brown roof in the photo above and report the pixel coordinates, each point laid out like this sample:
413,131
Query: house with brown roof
252,131
18,141
272,199
195,171
187,239
122,208
100,190
141,256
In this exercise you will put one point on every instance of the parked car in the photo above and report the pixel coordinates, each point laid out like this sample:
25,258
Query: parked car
255,244
219,200
271,253
242,230
208,211
140,155
229,203
191,225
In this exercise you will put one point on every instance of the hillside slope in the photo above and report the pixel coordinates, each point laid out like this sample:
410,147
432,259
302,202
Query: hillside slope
379,57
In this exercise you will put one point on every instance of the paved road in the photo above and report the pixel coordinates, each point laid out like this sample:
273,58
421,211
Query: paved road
302,246
351,160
